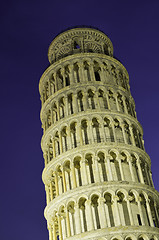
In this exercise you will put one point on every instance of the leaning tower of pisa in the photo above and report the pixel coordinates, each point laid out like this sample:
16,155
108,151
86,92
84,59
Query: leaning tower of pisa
97,174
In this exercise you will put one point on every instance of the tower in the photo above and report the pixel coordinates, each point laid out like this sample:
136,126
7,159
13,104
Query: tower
97,174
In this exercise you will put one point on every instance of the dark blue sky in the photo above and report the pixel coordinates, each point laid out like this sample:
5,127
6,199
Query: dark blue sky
27,28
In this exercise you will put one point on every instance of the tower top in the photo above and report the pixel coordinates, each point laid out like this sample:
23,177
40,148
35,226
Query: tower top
79,39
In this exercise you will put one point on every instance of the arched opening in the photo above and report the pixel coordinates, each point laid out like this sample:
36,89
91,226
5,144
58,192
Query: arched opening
108,130
118,131
64,139
59,78
109,210
89,168
112,101
96,130
84,127
123,209
61,107
102,100
102,167
71,214
70,103
80,101
73,130
87,72
91,102
83,214
77,166
67,172
95,212
57,144
120,102
115,167
76,73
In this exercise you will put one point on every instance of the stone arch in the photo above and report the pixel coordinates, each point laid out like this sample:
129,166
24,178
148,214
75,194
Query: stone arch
130,237
143,237
118,237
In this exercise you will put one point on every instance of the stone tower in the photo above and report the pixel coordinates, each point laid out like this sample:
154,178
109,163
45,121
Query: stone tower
97,174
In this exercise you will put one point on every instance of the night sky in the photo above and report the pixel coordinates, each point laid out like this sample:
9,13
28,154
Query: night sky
27,28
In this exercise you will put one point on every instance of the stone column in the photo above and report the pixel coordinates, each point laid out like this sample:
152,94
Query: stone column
77,219
51,191
149,213
73,177
131,168
55,78
81,71
124,103
140,211
132,135
50,232
54,232
47,194
110,175
53,147
56,184
64,179
96,169
59,227
89,216
45,158
91,70
66,105
123,131
138,162
121,169
116,212
84,172
70,67
102,216
68,223
107,98
130,212
117,104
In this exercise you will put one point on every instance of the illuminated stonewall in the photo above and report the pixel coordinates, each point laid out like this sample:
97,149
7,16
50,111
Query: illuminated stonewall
97,174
